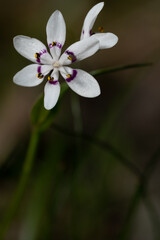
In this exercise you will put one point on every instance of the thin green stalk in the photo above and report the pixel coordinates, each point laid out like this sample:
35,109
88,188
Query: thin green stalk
119,68
27,167
76,112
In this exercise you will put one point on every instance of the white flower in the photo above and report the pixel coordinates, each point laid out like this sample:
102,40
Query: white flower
78,80
106,40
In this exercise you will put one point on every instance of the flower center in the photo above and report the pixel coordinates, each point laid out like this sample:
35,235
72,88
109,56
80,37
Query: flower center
56,64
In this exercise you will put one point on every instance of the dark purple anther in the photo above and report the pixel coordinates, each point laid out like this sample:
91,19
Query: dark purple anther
90,32
56,44
43,51
74,74
53,82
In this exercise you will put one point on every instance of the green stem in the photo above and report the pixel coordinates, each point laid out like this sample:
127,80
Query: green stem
27,167
76,112
118,68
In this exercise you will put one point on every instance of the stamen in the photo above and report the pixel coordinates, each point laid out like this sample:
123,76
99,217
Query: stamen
70,58
54,43
37,55
40,75
71,77
68,76
101,29
50,78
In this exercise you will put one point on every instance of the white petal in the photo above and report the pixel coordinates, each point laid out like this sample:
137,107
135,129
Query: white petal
81,82
28,47
51,94
27,77
55,74
79,51
56,32
90,20
106,40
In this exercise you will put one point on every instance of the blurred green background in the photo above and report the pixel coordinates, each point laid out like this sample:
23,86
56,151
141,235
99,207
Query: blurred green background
78,189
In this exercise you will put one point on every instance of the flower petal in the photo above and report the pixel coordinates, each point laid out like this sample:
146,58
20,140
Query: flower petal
81,82
32,49
106,40
79,51
54,76
90,20
56,34
51,94
28,76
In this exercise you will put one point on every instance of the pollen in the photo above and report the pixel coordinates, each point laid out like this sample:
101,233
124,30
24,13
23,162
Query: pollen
37,55
101,29
40,75
54,43
68,76
70,58
50,78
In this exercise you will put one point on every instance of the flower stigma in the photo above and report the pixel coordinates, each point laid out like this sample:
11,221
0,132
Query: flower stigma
56,64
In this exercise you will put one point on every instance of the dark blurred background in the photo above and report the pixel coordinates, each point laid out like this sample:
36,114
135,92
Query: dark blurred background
77,189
